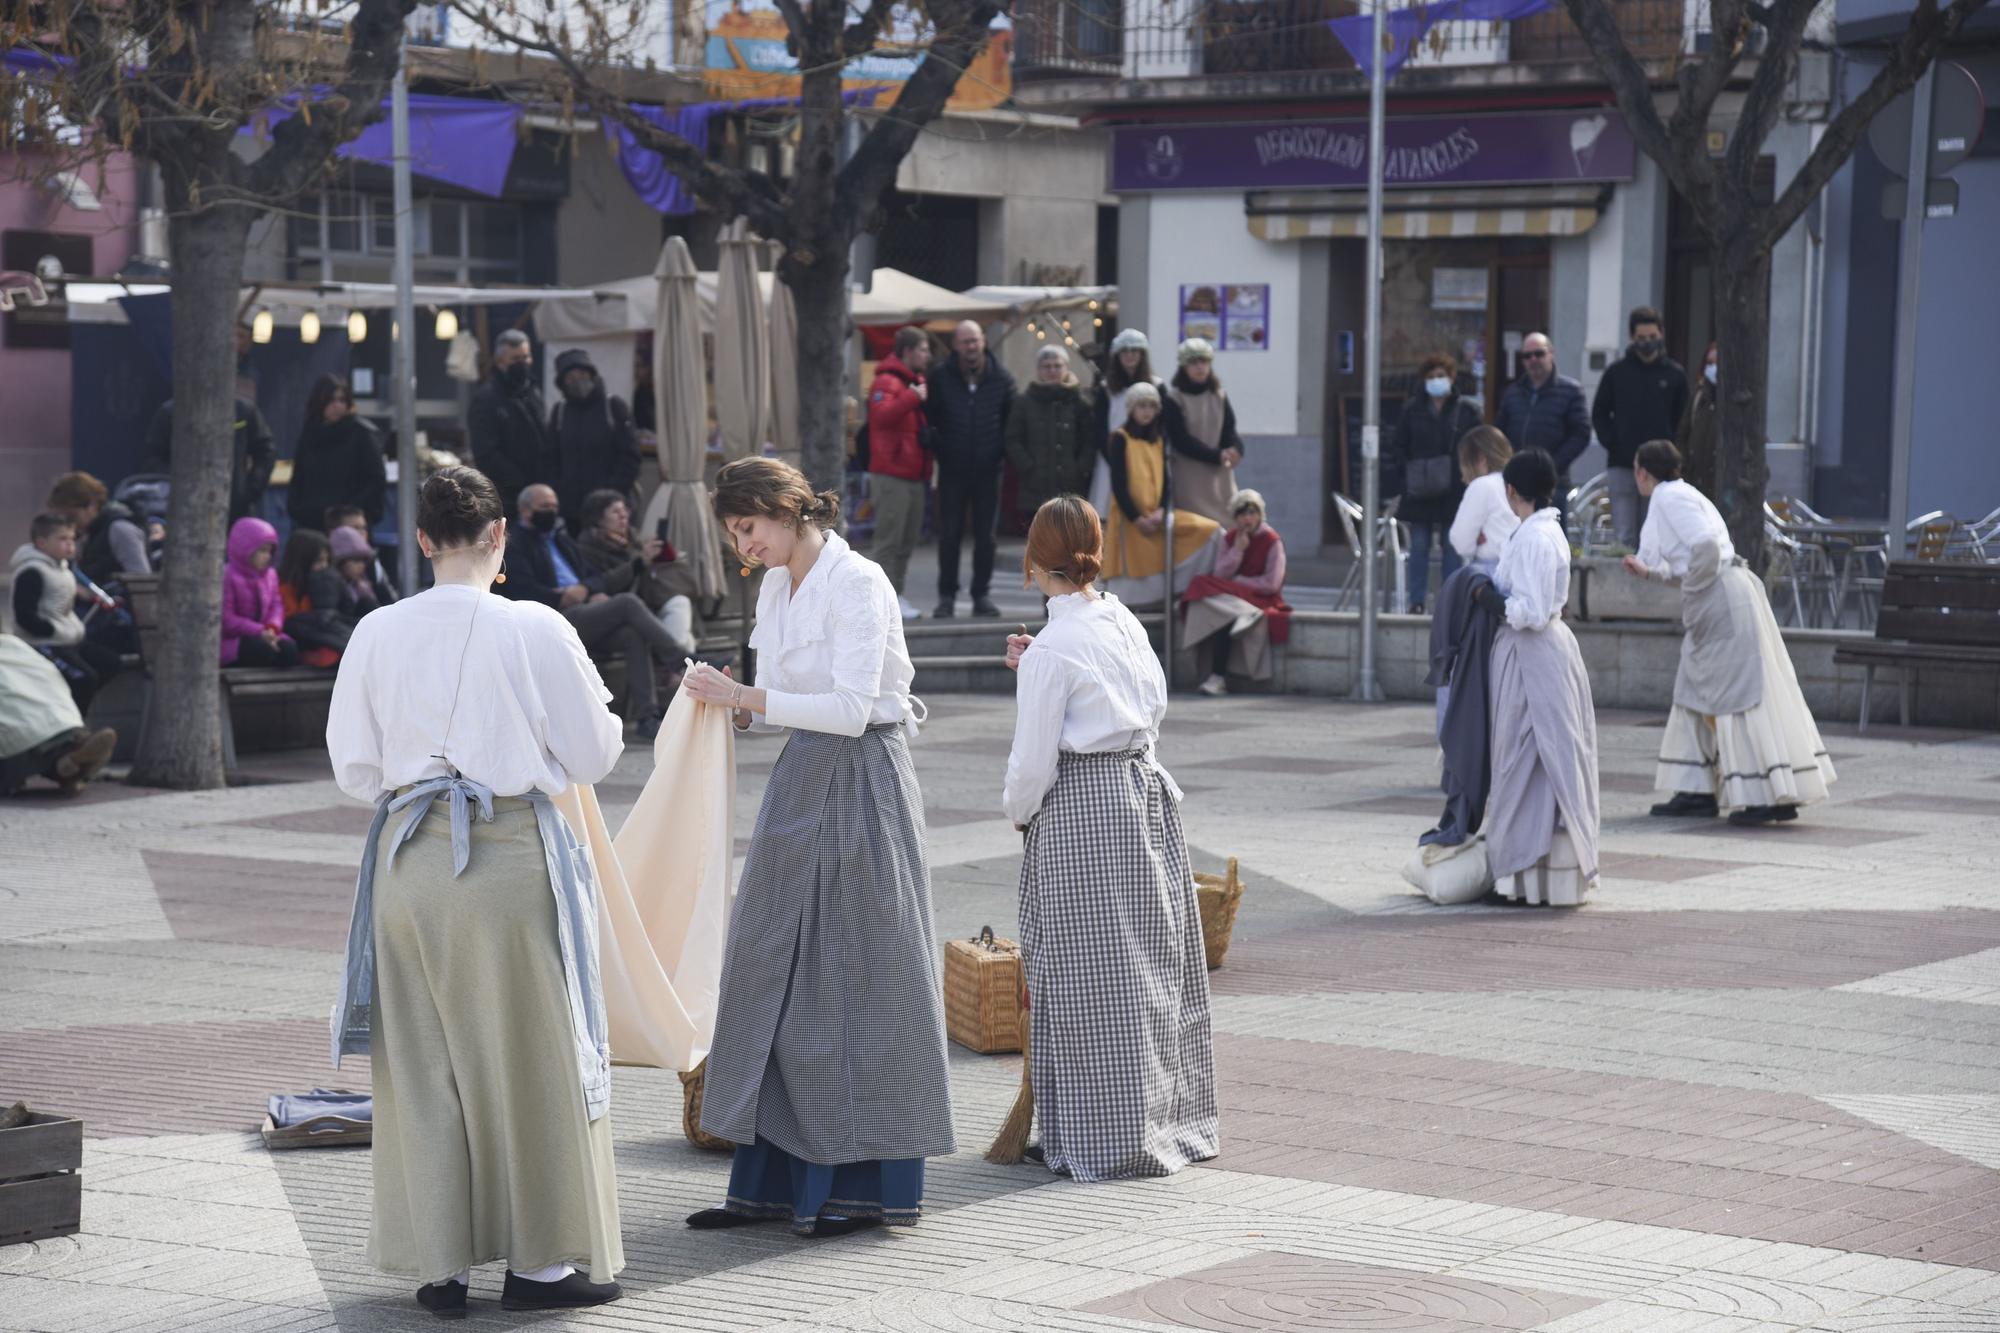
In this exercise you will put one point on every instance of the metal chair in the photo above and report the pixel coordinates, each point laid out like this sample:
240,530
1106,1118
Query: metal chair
1390,545
1589,522
1984,537
1931,535
1804,569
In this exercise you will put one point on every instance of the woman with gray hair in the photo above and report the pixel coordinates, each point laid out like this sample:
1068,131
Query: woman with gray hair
1235,614
1201,425
1050,443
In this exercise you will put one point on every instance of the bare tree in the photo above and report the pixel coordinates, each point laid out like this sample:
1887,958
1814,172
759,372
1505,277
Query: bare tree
1740,230
832,197
177,82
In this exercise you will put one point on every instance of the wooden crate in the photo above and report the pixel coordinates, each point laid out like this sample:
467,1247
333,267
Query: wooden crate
41,1181
982,993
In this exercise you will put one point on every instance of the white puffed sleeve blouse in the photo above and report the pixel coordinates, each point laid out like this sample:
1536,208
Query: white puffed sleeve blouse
1679,517
1534,571
831,656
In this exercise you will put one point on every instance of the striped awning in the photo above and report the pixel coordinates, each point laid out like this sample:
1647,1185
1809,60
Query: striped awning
1420,214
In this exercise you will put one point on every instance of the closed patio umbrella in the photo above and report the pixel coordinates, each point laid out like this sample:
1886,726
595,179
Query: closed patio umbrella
784,368
742,348
681,407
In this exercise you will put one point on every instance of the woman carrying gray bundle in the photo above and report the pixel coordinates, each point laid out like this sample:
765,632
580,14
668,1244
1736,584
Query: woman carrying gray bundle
472,979
828,1070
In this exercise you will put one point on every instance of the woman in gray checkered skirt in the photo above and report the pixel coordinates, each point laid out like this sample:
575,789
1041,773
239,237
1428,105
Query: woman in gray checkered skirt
828,1069
1123,1064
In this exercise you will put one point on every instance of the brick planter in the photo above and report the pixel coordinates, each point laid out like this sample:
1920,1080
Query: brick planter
41,1181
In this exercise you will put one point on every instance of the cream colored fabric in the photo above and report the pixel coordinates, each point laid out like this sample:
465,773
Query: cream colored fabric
664,888
482,1149
1249,633
35,703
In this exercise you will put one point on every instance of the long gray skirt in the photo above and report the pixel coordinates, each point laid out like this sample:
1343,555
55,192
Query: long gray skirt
1124,1064
1544,751
829,1033
483,1150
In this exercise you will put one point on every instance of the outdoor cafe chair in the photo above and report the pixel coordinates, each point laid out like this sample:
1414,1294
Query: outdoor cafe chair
1390,545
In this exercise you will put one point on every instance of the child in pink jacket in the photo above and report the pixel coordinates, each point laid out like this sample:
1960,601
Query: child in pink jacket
253,610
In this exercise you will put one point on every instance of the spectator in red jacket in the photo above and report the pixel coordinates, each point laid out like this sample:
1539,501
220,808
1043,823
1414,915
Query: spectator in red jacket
899,466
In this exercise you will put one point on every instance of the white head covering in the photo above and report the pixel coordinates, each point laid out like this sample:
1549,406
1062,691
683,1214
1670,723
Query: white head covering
1141,392
1051,352
1128,339
1197,349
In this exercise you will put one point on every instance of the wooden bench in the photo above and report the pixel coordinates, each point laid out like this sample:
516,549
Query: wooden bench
1933,614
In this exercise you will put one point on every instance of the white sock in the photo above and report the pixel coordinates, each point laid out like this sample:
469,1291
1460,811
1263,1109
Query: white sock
553,1273
463,1277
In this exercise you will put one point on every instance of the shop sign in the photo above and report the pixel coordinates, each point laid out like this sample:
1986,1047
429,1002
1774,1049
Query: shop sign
1236,316
746,58
1504,148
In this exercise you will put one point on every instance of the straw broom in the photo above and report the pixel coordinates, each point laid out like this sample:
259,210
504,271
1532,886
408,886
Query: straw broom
1012,1141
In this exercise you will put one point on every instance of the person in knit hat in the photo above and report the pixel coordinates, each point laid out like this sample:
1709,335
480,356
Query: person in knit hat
354,562
1206,438
1130,364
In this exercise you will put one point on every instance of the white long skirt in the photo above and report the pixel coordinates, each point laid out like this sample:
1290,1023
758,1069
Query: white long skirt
1771,754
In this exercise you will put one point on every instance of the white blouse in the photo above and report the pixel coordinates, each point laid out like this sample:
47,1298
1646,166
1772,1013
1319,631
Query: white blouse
523,703
831,658
1090,683
1534,571
1483,511
1677,517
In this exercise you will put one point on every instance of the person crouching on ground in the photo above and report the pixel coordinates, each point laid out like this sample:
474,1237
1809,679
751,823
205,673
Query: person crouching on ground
1235,614
1740,736
1135,541
253,608
828,1070
1541,814
1123,1061
472,976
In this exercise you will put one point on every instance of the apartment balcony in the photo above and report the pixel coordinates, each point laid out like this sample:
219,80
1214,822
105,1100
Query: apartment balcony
1070,50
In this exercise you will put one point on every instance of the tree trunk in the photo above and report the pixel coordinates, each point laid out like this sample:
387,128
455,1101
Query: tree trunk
816,267
182,744
1742,293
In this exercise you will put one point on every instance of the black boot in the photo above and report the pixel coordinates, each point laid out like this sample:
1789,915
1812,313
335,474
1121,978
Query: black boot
570,1293
717,1219
446,1300
1687,805
1751,815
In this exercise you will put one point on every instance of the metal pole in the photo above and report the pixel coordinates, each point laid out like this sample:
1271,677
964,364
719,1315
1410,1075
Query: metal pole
1167,503
1365,687
403,352
1909,268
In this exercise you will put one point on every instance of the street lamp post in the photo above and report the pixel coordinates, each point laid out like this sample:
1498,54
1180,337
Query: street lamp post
403,344
1366,689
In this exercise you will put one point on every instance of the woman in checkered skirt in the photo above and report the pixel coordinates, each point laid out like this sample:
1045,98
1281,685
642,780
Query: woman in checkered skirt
828,1069
1123,1065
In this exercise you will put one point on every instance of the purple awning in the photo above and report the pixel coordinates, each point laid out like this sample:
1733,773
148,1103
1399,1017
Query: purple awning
650,177
1406,27
460,141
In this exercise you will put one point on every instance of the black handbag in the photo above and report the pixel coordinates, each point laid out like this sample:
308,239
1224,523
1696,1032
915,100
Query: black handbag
1431,478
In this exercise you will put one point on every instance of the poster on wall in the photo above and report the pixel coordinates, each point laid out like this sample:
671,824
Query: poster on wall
1236,317
746,57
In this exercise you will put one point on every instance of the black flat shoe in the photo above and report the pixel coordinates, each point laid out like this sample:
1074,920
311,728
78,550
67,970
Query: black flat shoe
985,608
1785,814
946,609
841,1226
446,1300
570,1293
719,1219
1034,1153
1751,815
1687,805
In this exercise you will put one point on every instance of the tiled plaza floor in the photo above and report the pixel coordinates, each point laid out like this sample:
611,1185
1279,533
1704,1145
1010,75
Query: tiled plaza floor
1753,1087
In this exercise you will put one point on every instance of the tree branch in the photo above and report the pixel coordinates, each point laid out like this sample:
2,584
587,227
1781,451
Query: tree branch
963,29
862,34
795,23
1686,163
1784,26
303,142
1930,29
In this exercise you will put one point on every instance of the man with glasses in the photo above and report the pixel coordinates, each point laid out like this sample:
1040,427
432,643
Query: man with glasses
1544,410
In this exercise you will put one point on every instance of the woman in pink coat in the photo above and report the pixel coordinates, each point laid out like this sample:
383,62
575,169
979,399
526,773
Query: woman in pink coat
253,610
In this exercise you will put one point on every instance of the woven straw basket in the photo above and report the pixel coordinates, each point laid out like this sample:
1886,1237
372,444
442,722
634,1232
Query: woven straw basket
982,993
691,1081
1218,897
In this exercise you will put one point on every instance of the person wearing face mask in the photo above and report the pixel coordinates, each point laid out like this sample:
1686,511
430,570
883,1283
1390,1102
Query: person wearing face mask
596,446
1696,437
505,423
1420,464
1643,396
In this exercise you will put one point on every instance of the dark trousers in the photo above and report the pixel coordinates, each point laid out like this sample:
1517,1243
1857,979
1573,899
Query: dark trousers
978,491
255,652
623,626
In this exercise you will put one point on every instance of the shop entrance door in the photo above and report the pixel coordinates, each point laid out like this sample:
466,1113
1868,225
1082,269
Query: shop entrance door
1521,307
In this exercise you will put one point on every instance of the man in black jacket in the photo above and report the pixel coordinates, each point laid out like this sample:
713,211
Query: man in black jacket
544,565
1640,398
969,401
1545,410
596,446
505,422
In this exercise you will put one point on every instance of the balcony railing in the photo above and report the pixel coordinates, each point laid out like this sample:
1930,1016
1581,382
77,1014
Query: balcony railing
1183,38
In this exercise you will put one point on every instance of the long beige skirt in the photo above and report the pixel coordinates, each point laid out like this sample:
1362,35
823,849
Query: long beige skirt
483,1151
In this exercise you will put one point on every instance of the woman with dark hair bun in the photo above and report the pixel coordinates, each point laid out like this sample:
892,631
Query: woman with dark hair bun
828,1070
1541,813
1124,1065
475,997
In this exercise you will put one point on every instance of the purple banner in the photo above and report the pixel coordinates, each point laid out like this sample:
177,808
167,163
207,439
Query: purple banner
1506,148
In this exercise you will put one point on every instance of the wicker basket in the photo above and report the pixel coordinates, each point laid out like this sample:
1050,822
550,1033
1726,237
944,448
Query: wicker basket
691,1081
982,993
1218,897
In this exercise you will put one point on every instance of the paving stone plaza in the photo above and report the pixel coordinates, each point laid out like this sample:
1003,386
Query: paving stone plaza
1754,1087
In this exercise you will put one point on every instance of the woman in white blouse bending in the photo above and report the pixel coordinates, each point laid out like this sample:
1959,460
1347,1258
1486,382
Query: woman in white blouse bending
1740,736
828,1069
472,980
1541,812
1484,520
1123,1065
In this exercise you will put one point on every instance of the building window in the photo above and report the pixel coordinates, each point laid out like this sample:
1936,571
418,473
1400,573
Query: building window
480,237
